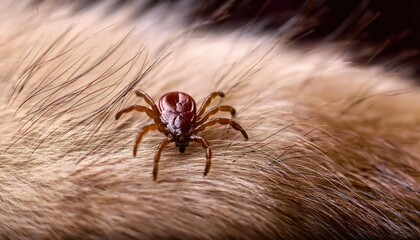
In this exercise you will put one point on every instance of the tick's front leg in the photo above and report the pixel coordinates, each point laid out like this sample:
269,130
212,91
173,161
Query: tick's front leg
144,131
205,145
157,157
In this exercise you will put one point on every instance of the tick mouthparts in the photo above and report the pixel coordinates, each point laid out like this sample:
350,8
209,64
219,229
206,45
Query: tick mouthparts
182,149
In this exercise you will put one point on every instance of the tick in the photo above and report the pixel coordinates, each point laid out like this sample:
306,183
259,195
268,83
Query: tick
176,116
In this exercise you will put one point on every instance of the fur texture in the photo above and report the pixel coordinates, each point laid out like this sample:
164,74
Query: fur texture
334,150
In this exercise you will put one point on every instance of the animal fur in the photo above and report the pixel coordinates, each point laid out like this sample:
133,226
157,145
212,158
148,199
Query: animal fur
334,150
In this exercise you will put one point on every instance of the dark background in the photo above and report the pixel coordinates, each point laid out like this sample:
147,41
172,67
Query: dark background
385,32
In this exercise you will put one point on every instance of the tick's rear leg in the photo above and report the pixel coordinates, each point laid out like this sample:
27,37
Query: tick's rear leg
205,145
148,99
207,102
214,111
138,108
157,157
223,121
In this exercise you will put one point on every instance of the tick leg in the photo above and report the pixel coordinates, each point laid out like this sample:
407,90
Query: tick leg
148,99
205,145
207,102
140,135
157,157
138,108
214,111
223,121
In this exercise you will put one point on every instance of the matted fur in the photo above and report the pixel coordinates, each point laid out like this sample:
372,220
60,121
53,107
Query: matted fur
334,150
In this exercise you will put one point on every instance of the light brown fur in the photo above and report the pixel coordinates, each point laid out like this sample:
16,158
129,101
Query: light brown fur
334,150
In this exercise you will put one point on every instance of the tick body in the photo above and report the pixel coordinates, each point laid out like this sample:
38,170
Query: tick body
177,117
178,111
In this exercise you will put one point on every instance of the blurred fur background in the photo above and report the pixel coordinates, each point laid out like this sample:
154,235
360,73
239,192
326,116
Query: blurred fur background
332,112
